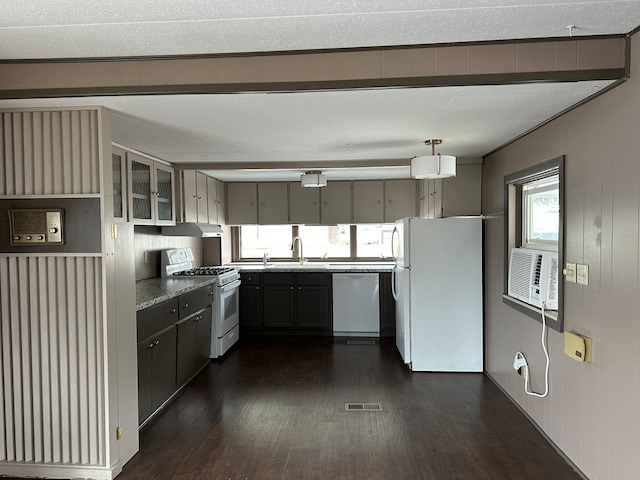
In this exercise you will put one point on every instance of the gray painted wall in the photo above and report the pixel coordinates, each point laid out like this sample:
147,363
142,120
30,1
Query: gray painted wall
592,410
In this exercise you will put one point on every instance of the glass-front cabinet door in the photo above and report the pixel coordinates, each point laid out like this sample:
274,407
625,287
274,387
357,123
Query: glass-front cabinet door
118,174
151,188
165,213
141,198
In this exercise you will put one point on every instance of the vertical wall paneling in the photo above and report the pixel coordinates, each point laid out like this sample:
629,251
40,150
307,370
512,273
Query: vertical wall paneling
47,152
591,412
3,154
56,153
16,160
50,153
51,342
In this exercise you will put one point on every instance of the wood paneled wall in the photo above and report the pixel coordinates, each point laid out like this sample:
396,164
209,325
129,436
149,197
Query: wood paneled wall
51,344
591,412
49,152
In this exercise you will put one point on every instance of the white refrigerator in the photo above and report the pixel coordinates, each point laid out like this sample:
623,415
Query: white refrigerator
437,284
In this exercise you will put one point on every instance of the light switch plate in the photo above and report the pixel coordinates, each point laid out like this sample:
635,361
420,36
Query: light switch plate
570,272
582,273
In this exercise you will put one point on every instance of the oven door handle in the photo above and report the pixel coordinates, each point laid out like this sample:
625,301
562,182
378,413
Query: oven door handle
230,286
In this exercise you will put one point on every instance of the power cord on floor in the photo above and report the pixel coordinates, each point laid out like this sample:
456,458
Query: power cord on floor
521,362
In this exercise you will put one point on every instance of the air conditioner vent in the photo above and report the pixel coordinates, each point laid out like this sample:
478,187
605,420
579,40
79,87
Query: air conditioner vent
553,283
520,274
537,271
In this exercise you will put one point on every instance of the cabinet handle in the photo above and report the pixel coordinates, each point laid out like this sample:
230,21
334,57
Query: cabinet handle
173,310
157,342
195,196
150,345
257,288
299,288
199,198
291,288
186,305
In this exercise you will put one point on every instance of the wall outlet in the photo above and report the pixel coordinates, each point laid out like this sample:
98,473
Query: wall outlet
582,273
570,272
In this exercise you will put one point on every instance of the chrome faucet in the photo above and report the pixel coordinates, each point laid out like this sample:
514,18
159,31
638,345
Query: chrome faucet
293,243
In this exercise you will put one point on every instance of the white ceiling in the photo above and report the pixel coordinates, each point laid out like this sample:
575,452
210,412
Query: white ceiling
107,28
280,135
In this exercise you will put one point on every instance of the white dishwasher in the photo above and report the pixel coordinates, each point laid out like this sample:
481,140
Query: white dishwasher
356,305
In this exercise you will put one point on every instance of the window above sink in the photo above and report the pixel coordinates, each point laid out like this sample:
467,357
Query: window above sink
321,243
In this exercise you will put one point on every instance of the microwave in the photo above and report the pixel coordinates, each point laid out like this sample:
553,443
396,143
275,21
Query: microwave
36,226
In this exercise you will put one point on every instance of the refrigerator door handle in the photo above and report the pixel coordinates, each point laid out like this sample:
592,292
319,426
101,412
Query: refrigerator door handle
393,243
394,276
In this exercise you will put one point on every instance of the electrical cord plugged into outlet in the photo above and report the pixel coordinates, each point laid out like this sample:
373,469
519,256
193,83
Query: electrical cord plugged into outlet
521,366
519,363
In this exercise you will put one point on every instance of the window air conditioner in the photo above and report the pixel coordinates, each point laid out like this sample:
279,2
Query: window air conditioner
533,277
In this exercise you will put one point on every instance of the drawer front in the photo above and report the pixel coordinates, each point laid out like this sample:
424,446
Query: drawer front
278,278
250,279
313,278
196,300
158,317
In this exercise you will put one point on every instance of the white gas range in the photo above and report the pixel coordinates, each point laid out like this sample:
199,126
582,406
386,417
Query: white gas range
177,263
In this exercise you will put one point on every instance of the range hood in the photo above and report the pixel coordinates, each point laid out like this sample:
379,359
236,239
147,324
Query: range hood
193,230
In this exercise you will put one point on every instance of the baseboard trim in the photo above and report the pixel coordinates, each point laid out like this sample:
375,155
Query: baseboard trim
58,471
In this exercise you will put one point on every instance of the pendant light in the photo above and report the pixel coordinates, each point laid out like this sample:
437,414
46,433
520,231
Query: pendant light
313,178
434,165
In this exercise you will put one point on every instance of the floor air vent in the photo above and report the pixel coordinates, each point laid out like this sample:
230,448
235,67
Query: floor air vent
361,342
362,407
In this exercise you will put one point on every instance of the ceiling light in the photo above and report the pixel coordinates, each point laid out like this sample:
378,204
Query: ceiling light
434,165
313,178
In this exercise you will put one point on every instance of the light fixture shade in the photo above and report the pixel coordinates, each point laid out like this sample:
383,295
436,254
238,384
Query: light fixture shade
433,166
313,179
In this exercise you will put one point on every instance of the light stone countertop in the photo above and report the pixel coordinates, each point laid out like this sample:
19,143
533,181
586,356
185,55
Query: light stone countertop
156,290
347,267
152,291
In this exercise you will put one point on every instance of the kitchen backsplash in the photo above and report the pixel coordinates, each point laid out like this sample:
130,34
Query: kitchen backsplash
148,239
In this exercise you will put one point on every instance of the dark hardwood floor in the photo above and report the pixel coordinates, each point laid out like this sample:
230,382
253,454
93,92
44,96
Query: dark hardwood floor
274,409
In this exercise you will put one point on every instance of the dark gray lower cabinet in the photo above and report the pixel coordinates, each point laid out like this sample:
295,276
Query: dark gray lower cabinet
314,301
174,340
286,303
156,371
250,301
387,307
278,305
194,343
